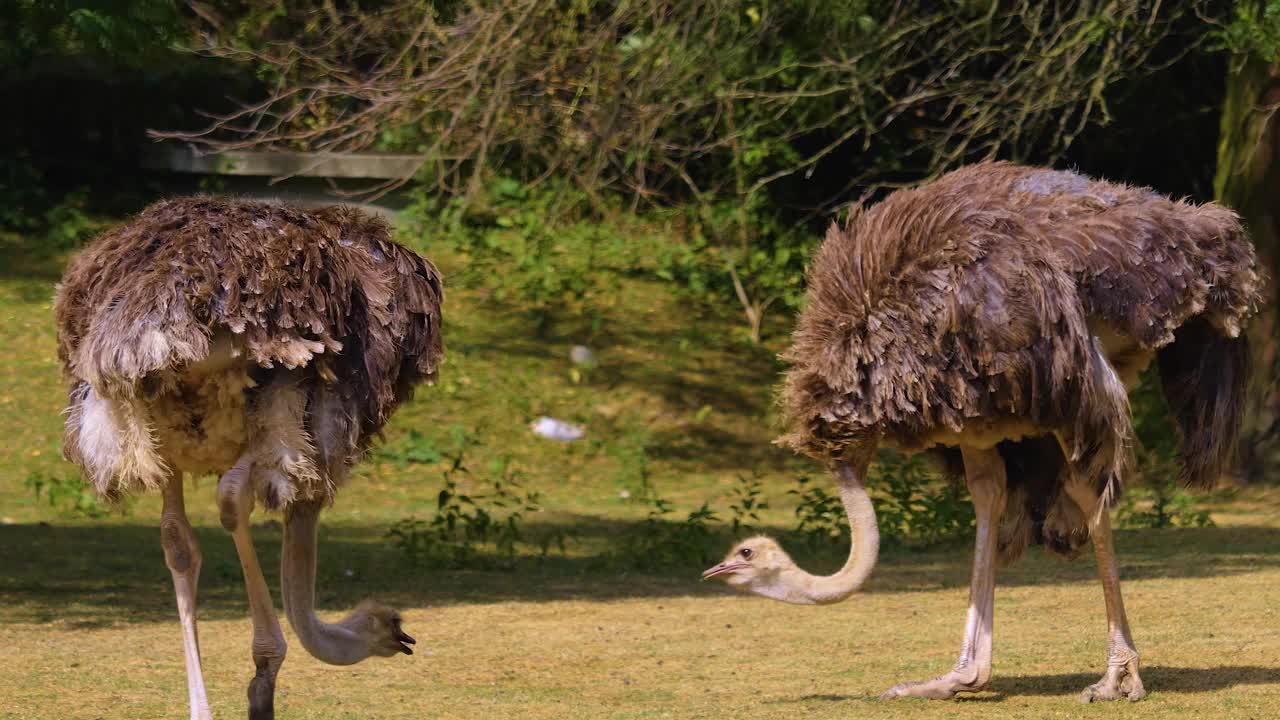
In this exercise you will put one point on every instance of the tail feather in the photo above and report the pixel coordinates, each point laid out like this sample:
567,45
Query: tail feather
1205,376
1103,448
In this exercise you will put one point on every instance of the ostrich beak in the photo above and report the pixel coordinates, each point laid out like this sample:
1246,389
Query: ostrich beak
723,568
404,639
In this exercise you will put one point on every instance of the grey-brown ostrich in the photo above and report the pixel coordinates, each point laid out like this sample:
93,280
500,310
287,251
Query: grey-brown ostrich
263,342
996,316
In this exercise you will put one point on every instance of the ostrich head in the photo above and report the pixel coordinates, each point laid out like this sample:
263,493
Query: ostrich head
757,565
370,630
760,566
377,628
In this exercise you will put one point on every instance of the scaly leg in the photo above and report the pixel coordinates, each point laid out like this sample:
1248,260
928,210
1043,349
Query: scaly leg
182,557
235,503
1121,678
985,475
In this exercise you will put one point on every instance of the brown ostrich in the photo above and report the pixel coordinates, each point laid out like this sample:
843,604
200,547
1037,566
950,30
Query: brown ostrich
263,342
996,317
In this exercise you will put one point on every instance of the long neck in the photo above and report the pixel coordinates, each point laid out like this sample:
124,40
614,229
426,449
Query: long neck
335,644
803,588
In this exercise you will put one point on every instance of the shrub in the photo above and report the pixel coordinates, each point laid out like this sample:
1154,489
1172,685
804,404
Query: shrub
1154,500
70,496
519,243
747,502
913,507
467,524
659,543
820,516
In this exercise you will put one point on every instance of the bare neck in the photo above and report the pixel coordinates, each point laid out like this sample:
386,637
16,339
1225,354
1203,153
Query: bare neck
802,588
337,643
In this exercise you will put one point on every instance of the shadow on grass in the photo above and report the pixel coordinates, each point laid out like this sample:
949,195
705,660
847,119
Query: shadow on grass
1156,678
104,574
1143,554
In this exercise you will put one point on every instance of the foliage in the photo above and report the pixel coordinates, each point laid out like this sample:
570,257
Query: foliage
83,77
717,98
1253,30
758,117
130,32
415,448
914,507
820,517
1161,504
466,522
69,495
523,246
1156,500
660,543
48,222
761,256
746,504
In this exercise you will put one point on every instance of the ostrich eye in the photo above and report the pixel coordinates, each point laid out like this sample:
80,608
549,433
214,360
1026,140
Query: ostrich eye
745,553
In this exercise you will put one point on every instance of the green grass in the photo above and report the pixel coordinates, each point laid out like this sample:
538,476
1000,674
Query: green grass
88,630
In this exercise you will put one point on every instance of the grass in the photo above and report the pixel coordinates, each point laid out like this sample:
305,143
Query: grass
88,629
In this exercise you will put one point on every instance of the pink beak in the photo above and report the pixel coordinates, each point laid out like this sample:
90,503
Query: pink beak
724,568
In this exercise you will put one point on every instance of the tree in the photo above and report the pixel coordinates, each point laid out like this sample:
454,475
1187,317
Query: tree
763,115
1248,179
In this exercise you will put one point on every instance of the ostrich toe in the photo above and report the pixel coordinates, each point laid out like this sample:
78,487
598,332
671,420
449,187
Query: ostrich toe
1120,681
939,688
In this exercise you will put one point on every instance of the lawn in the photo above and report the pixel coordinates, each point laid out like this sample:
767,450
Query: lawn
681,403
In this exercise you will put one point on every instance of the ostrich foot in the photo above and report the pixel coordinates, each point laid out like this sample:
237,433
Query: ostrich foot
939,688
1120,681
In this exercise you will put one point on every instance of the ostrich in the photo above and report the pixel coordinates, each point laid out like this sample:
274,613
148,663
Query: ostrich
996,317
263,342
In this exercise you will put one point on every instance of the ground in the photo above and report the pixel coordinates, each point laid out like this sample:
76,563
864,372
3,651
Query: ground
88,627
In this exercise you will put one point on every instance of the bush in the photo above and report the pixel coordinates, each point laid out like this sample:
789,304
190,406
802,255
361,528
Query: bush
70,496
660,543
1154,499
747,502
49,222
470,529
914,506
820,516
524,246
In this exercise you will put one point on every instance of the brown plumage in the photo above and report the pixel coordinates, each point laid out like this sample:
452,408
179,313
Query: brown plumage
199,295
262,342
1003,302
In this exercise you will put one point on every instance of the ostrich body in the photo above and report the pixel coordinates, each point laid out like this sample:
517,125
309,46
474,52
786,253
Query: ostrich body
261,342
996,317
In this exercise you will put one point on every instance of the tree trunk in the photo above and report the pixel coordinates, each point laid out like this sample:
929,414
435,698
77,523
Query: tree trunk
1248,180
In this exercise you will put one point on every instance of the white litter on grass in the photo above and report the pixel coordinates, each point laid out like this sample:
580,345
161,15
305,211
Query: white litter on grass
582,355
556,429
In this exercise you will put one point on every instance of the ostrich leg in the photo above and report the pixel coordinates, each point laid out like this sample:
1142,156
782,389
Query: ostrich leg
984,473
235,503
1121,678
182,557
